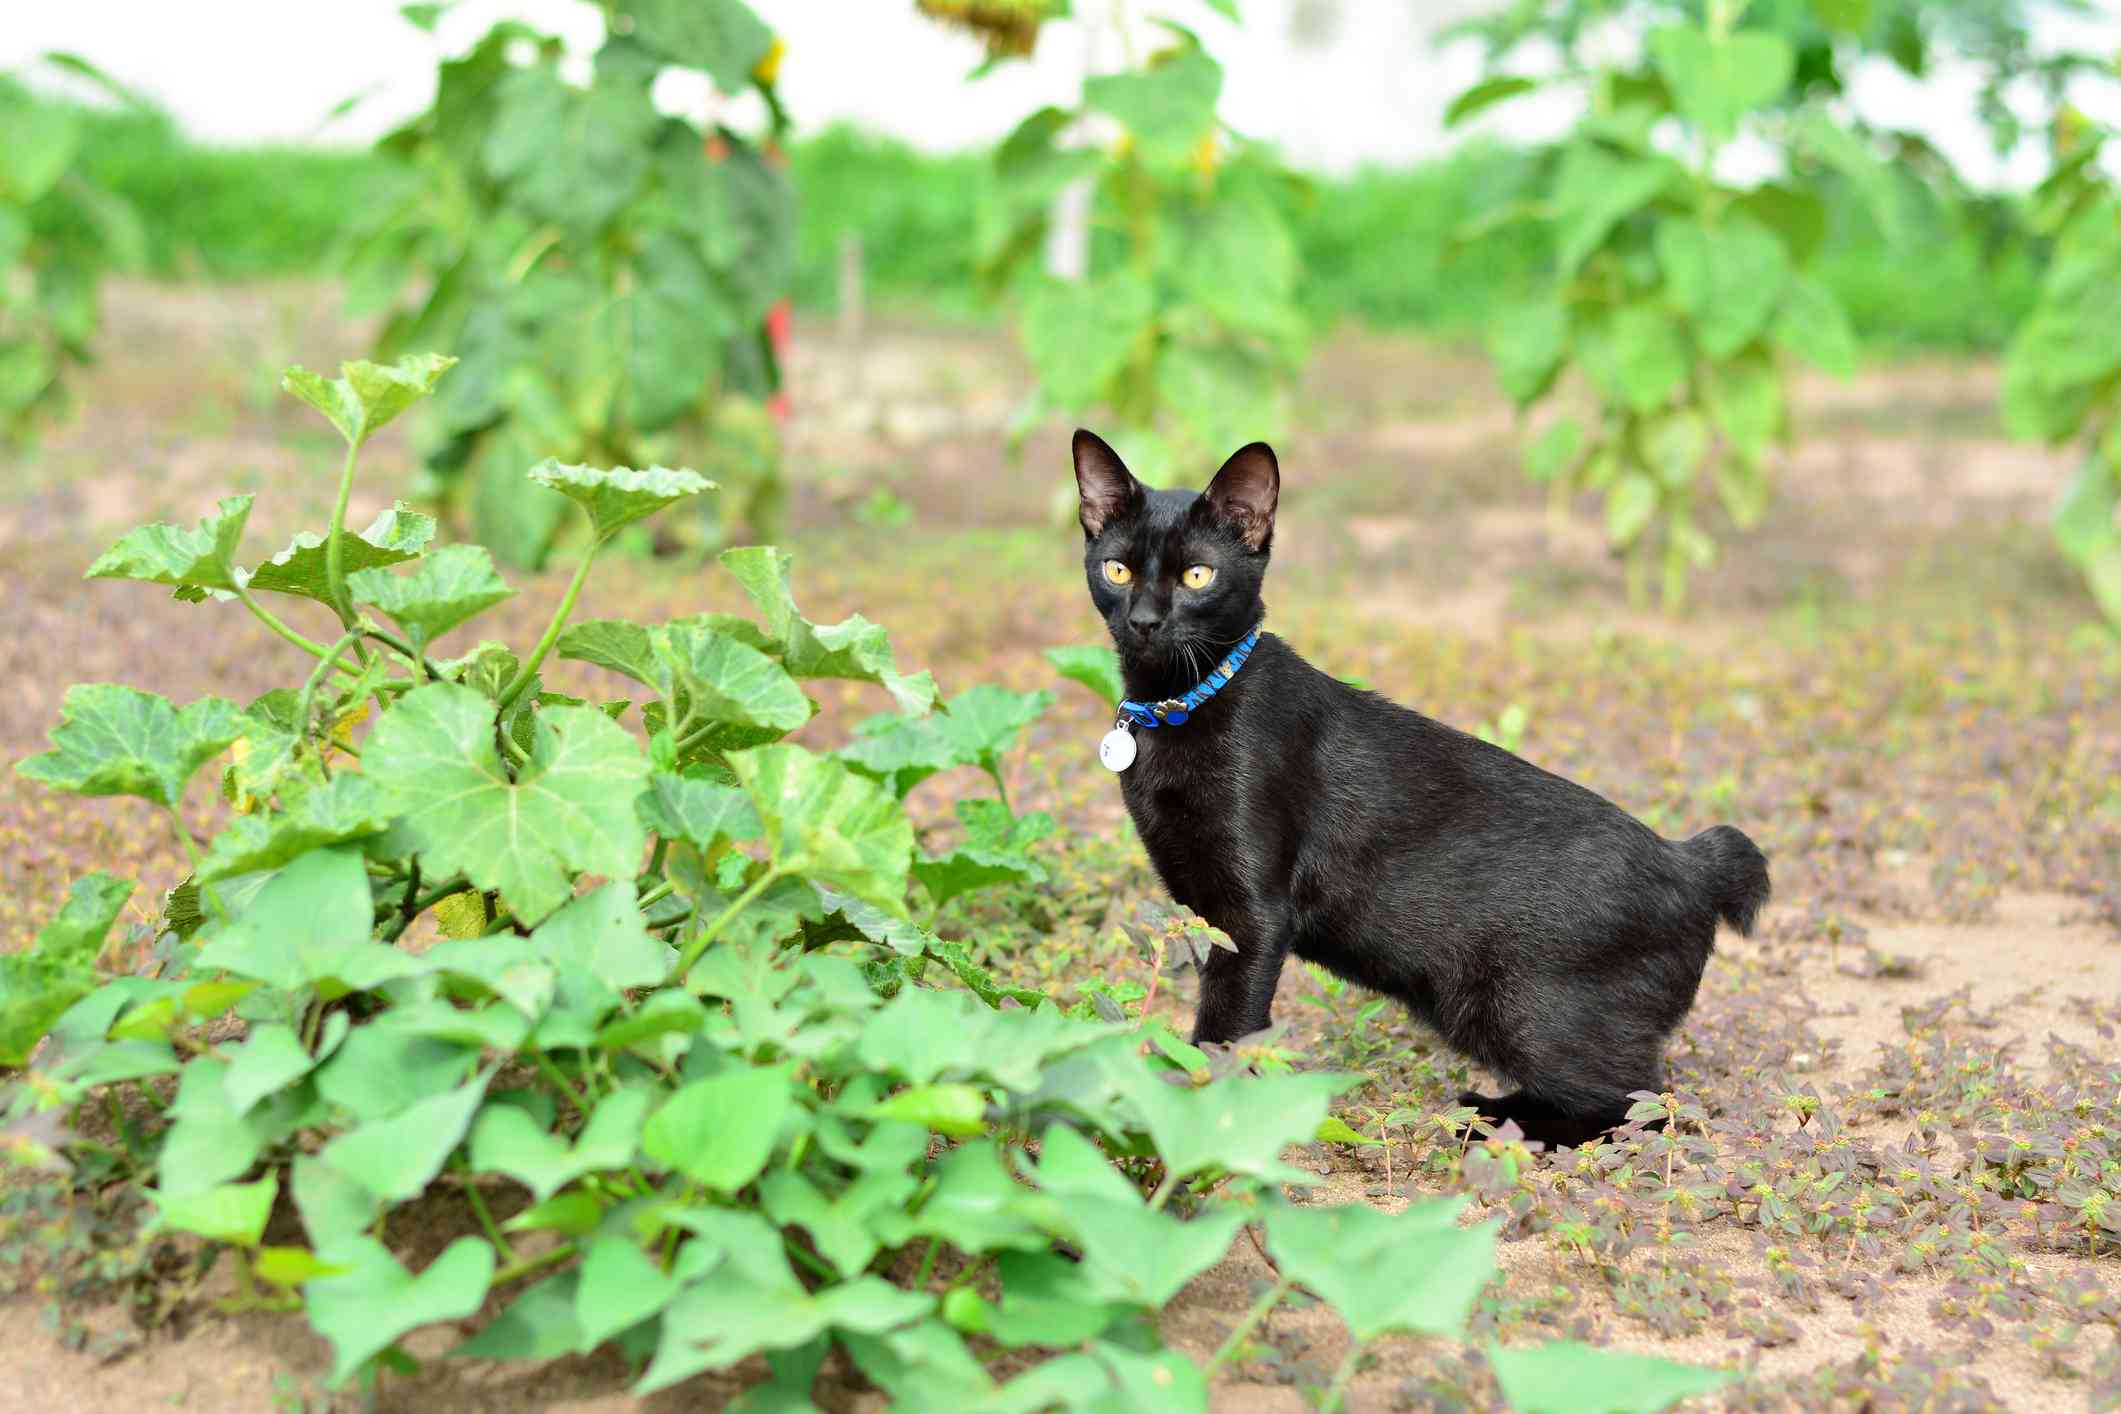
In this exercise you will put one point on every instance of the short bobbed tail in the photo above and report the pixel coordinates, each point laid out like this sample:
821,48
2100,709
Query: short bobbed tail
1737,874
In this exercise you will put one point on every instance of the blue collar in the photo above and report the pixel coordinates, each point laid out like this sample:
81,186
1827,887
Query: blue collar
1173,711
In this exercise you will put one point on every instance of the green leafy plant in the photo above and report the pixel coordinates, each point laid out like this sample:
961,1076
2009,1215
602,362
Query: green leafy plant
670,1033
59,234
2062,380
1185,329
1677,297
604,270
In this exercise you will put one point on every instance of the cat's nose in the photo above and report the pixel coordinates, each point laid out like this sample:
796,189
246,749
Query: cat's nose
1143,619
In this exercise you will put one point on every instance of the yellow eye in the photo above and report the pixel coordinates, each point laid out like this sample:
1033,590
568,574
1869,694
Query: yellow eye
1198,576
1117,573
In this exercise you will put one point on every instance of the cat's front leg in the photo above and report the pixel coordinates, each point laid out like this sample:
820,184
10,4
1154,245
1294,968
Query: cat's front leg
1237,989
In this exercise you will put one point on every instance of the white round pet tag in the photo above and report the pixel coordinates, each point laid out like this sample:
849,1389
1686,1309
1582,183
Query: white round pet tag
1117,749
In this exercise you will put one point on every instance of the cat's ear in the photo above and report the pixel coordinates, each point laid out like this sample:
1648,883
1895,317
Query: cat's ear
1108,489
1244,493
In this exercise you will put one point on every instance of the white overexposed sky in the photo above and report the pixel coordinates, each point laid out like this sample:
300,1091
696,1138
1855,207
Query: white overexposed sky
1370,85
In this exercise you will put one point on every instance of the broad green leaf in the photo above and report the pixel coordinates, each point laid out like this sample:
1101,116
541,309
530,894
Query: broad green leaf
1718,80
945,1109
1555,450
1046,1299
1528,344
723,37
721,1130
310,926
1595,191
1335,1130
1850,16
700,812
387,1065
927,1366
1079,334
718,1322
1812,325
1564,1377
994,851
725,681
1728,281
114,740
394,537
270,1059
573,157
1797,217
617,497
374,1301
852,648
333,1206
602,934
230,1212
619,1287
1874,179
976,1206
1484,95
202,558
41,141
983,722
823,821
1746,400
1629,507
1168,108
569,810
616,644
1241,265
208,1142
397,1158
444,589
367,396
2084,517
38,985
1239,1125
1676,443
900,751
347,807
540,1324
1130,1253
1416,1271
509,1140
1636,356
1094,665
840,1227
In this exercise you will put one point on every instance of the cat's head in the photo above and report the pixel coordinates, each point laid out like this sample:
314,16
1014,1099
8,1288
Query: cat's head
1176,574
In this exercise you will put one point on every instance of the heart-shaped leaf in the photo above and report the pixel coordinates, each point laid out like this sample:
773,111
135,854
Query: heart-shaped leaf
852,648
721,1130
724,680
509,1140
59,967
365,1308
1094,665
1239,1125
309,926
397,1158
1358,1259
230,1212
1716,80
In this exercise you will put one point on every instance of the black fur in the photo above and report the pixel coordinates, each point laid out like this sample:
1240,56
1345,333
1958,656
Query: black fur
1546,933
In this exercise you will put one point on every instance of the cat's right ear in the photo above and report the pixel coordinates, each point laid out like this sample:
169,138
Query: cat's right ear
1108,490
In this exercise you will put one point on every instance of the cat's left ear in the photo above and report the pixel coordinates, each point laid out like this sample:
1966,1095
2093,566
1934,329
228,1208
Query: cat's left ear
1244,493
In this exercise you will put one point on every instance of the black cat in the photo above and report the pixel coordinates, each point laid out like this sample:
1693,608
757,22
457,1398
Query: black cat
1546,933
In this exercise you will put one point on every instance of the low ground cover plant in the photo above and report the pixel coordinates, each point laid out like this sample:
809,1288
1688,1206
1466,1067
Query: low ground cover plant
643,996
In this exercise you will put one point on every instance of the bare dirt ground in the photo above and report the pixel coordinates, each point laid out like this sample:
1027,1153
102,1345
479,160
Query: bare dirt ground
1890,683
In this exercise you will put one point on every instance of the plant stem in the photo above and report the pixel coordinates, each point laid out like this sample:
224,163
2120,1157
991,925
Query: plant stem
334,557
1242,1332
265,616
1163,1190
316,676
485,1217
920,1278
515,1271
657,894
405,649
558,1077
417,906
530,666
698,945
1345,1373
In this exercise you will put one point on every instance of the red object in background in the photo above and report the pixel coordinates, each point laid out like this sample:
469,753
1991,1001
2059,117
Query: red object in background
777,329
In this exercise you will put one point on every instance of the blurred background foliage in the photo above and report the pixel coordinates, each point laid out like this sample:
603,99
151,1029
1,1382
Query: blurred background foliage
613,295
